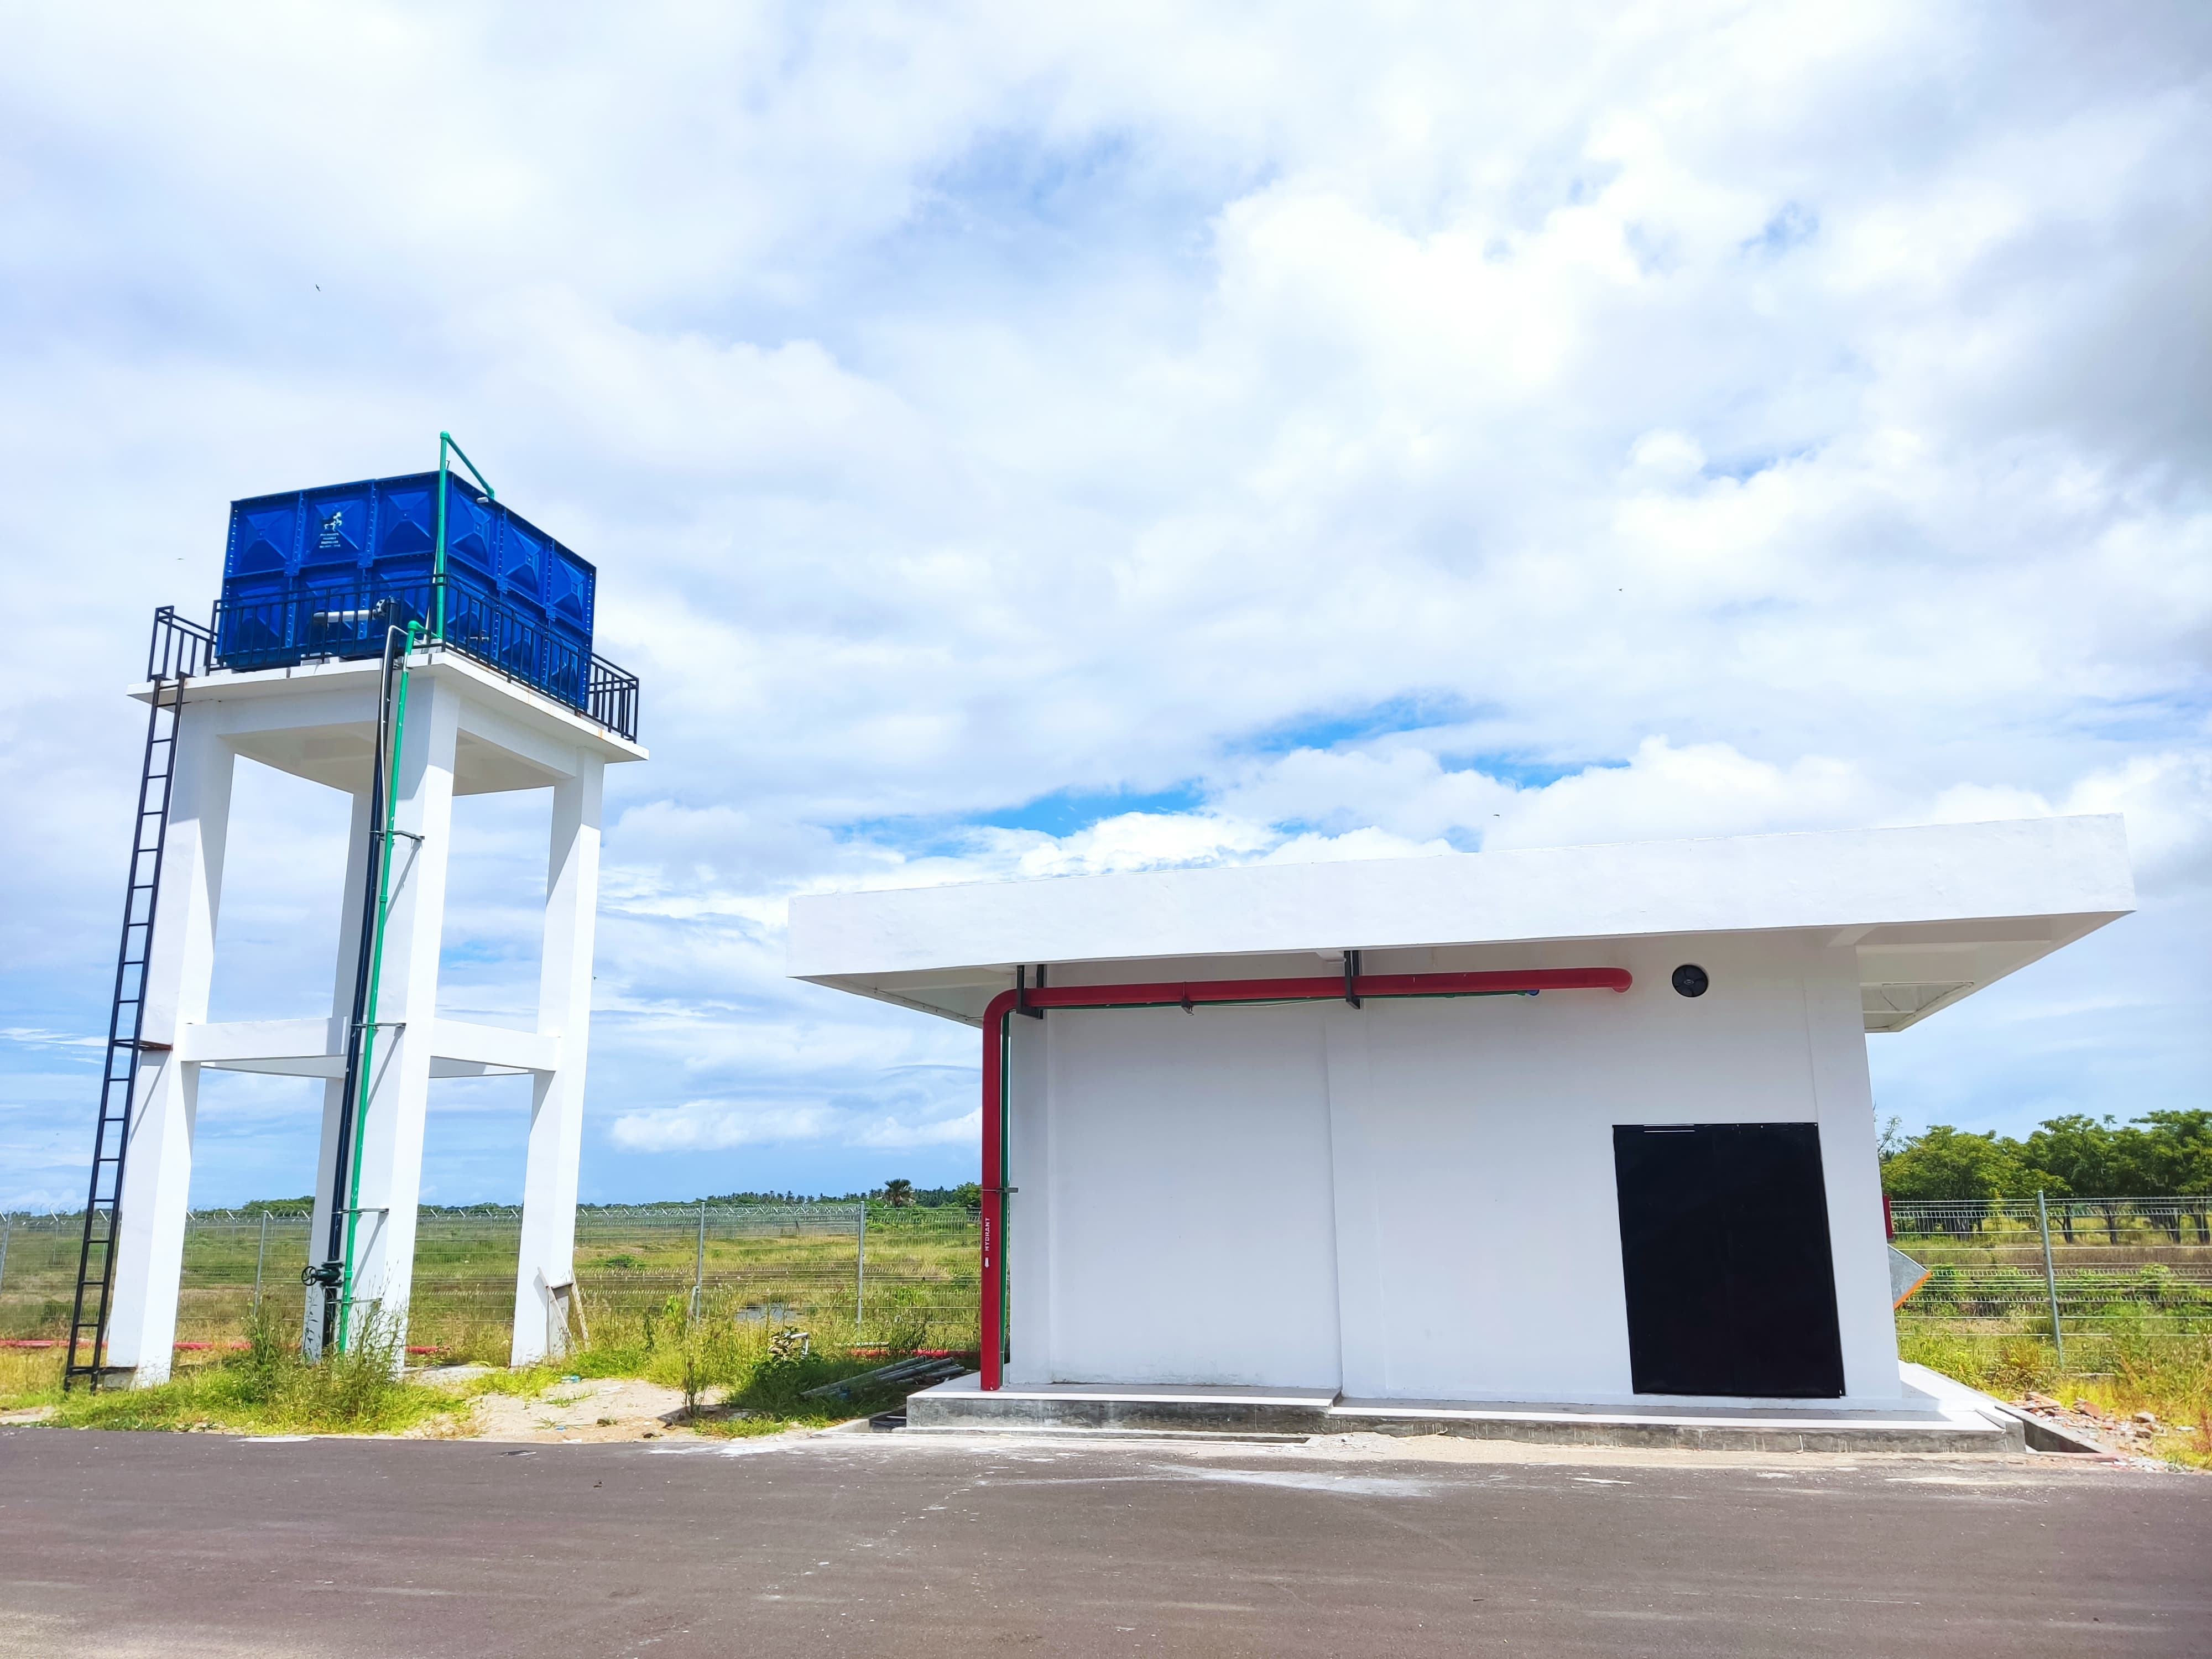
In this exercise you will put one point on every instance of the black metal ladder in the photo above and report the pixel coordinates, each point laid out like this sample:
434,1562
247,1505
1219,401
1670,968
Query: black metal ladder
179,650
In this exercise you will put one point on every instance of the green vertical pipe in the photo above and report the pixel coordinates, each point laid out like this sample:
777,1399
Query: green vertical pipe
446,450
375,979
446,447
438,559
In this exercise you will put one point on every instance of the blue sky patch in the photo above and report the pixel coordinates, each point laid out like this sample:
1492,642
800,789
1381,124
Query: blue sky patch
1414,712
1792,226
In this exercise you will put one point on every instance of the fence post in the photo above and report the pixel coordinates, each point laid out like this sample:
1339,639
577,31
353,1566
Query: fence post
259,1257
860,1273
699,1274
2051,1277
7,1226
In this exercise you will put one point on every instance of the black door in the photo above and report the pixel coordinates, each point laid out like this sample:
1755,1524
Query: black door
1724,1245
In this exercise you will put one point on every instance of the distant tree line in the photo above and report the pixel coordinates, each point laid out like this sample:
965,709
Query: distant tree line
2158,1155
722,1199
897,1194
904,1194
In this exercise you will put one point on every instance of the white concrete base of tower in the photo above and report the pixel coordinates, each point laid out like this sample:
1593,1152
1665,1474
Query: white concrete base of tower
468,731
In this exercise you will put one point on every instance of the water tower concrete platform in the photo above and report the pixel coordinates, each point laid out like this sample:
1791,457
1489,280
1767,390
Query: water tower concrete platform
469,730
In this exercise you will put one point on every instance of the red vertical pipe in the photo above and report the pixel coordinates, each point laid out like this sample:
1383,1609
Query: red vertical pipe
994,1333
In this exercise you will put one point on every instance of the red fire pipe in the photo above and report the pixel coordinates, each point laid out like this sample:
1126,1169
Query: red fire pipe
1189,995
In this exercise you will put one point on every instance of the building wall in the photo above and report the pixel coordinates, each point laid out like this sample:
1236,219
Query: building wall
1191,1239
1411,1199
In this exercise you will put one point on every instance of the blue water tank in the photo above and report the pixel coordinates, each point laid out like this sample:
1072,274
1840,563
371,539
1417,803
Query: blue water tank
324,571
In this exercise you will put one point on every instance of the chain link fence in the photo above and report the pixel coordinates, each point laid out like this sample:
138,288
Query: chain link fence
2002,1264
887,1274
908,1274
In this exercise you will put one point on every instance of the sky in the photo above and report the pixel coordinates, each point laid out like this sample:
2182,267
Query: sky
1026,441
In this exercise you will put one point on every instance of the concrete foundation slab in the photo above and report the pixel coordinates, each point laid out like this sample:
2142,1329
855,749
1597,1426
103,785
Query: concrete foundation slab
1935,1415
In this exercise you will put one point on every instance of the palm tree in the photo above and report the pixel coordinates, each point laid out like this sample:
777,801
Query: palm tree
898,1193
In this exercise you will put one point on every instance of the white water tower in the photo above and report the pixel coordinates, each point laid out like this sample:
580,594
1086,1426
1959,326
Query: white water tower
404,641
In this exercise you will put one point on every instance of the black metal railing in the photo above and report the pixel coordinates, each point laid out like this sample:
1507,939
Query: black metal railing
613,694
350,620
179,649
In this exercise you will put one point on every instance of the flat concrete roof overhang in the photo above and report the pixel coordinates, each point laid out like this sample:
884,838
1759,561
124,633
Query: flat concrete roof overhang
1935,911
511,736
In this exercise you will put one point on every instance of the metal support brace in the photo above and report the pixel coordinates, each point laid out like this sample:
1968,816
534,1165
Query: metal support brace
1022,991
2050,1277
1350,977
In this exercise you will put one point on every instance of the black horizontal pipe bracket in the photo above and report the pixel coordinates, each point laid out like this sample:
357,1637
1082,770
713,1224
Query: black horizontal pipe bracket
1022,991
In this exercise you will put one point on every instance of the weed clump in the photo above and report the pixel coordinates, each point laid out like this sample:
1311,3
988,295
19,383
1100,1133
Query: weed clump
30,1377
740,1370
269,1387
739,1374
2131,1366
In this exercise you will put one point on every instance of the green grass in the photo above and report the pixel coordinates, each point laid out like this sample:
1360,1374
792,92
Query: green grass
734,1364
2130,1366
30,1377
266,1389
635,1291
736,1379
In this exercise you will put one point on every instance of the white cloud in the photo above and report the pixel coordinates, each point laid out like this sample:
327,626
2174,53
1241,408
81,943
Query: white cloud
32,1038
1299,434
908,1108
702,1125
2167,799
1666,793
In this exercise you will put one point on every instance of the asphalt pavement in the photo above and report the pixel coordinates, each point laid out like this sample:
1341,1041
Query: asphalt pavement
195,1544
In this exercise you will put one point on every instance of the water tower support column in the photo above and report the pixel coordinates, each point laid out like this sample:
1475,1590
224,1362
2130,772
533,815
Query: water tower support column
157,1170
390,1136
357,870
544,1278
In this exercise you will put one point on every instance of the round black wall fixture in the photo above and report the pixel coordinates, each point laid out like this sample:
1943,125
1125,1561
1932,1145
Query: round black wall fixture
1691,980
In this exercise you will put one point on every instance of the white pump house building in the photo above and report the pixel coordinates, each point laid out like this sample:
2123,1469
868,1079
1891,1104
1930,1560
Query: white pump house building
1502,1142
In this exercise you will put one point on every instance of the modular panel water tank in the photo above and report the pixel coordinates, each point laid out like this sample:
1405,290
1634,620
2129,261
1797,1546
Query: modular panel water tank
326,572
